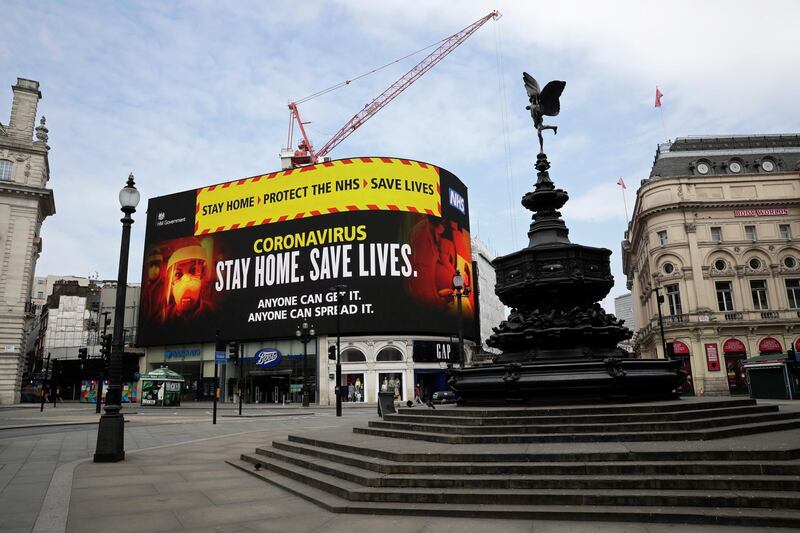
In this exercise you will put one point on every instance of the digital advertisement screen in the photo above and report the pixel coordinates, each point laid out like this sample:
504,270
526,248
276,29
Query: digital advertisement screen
256,257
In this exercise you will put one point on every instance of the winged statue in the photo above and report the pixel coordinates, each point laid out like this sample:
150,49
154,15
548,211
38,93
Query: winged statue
544,102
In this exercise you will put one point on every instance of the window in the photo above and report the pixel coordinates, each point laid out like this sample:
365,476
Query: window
40,294
755,263
793,293
785,231
758,288
750,233
674,299
668,268
5,170
720,265
789,262
724,295
716,234
389,354
662,237
351,355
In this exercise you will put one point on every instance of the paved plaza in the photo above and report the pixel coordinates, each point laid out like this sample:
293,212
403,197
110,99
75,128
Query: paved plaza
174,476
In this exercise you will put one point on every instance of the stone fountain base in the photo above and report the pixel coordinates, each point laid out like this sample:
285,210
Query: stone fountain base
565,380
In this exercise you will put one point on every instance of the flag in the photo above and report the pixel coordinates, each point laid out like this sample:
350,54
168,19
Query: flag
621,183
659,94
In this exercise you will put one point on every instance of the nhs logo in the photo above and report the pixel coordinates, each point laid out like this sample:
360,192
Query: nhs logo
456,200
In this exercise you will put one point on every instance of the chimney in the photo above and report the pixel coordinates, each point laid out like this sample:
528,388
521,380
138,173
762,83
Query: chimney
23,109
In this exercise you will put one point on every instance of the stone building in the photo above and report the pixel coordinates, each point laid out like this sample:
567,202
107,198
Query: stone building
25,201
715,232
623,309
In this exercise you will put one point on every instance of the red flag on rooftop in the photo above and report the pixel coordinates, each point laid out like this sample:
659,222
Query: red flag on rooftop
621,183
659,94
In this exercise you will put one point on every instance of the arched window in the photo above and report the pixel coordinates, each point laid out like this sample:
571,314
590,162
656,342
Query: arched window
351,355
389,354
5,170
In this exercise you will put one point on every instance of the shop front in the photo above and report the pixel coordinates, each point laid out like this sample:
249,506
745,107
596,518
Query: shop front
735,354
682,354
429,356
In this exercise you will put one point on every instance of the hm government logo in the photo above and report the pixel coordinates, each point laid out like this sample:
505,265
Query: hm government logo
163,222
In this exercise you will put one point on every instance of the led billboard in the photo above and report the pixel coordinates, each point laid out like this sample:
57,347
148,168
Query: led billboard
255,257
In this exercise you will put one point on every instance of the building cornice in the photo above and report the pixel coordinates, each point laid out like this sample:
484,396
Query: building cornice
45,196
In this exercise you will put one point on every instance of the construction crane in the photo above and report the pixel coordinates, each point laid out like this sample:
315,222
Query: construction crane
305,153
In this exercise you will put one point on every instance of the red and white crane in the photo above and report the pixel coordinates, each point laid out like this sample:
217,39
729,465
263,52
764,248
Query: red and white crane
305,153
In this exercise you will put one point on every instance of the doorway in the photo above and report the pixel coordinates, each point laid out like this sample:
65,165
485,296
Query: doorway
687,389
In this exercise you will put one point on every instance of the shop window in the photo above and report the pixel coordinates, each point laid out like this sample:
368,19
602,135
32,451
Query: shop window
716,234
785,231
724,295
392,382
758,289
662,238
351,355
674,299
750,233
389,354
5,169
793,293
352,388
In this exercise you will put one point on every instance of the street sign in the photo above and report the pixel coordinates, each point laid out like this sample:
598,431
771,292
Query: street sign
220,357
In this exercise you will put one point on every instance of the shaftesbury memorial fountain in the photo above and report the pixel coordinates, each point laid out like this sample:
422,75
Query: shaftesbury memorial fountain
558,344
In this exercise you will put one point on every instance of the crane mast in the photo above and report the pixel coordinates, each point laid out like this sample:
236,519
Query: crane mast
305,153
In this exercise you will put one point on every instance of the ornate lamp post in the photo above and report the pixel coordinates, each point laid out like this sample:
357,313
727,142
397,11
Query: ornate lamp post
111,431
460,290
305,333
659,301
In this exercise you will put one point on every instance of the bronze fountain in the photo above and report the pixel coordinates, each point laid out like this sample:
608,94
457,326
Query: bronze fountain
558,344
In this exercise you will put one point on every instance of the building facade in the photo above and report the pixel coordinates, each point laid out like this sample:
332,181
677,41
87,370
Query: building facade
623,309
25,202
370,364
714,240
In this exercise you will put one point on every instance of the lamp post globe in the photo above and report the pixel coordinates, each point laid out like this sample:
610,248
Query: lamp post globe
111,430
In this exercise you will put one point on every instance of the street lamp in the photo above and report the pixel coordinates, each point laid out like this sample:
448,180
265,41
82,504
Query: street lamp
305,333
659,301
338,289
111,430
460,290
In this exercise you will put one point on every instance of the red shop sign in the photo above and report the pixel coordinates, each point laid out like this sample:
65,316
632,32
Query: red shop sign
712,356
733,346
769,345
797,345
680,348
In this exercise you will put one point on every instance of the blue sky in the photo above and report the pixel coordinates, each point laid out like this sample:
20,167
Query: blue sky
186,94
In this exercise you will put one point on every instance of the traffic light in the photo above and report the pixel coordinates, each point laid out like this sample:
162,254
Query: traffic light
233,351
105,347
83,353
332,352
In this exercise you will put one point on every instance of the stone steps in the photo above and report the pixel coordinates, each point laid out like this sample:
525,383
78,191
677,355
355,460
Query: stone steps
676,479
433,417
628,408
597,466
660,514
514,478
636,436
454,426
